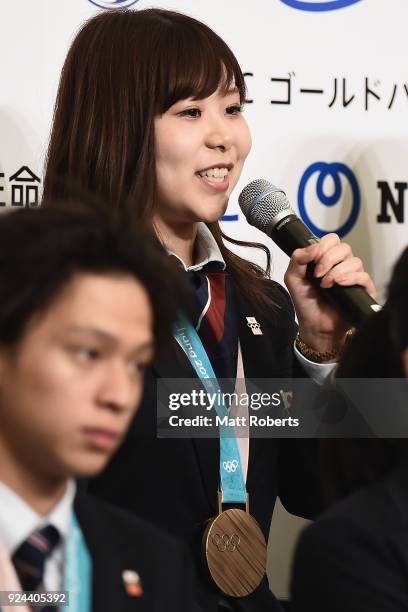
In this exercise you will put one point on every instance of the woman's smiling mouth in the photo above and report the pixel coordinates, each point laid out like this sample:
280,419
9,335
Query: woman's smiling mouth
216,177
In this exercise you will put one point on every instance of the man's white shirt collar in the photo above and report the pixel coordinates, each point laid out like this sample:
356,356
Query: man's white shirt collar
18,520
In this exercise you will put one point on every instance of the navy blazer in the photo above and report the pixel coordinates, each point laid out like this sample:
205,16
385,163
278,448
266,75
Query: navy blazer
174,482
118,541
355,557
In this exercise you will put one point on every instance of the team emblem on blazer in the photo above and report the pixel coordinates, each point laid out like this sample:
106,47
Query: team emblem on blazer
254,325
132,583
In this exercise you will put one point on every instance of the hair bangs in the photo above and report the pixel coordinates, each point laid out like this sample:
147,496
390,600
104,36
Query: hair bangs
197,63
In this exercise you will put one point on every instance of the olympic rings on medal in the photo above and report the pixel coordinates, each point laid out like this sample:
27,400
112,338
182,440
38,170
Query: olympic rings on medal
225,542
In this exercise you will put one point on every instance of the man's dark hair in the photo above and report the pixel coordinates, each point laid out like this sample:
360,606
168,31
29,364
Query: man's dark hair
42,249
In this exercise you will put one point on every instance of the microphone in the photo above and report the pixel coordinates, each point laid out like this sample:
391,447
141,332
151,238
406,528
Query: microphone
267,208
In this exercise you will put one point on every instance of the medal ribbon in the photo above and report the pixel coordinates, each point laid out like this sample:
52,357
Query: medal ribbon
78,570
232,480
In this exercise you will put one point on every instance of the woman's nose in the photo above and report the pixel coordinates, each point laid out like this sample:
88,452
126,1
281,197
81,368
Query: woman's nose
219,134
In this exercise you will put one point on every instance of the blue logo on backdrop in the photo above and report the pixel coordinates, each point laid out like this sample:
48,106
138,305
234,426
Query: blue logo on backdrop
113,4
312,5
334,171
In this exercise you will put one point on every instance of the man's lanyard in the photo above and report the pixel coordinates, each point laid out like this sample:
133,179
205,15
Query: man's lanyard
78,570
232,480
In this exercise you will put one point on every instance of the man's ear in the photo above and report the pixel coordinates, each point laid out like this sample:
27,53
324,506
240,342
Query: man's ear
405,362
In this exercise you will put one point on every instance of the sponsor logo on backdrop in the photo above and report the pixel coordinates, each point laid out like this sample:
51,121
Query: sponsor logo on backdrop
318,5
392,202
24,185
336,172
334,92
113,4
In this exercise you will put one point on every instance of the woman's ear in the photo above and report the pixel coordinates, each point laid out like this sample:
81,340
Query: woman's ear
405,362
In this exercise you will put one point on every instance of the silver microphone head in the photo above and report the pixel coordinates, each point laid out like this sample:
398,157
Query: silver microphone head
263,204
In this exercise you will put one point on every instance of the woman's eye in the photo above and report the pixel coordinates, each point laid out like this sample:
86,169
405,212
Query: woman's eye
194,113
235,109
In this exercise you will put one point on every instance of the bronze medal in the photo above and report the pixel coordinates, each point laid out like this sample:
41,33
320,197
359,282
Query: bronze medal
234,550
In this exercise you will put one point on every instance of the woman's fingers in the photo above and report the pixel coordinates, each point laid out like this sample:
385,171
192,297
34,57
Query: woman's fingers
334,263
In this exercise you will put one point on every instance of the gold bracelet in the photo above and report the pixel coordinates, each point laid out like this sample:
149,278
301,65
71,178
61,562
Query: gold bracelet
321,356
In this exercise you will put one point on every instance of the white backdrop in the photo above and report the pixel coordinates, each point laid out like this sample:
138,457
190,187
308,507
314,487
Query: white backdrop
344,52
338,80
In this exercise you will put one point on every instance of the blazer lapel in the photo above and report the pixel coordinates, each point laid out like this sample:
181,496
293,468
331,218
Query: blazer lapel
175,365
259,360
255,348
108,562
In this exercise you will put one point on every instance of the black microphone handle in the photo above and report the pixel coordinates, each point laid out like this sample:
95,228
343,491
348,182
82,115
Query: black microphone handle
291,233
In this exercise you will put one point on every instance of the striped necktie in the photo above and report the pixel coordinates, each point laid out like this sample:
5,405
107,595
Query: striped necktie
30,557
216,320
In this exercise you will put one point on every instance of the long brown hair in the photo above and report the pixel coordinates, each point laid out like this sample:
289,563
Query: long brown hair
123,69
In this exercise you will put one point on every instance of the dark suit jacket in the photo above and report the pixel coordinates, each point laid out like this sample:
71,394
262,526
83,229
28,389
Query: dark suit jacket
355,557
118,541
174,483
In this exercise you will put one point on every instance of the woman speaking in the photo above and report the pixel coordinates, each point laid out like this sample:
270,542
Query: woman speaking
149,111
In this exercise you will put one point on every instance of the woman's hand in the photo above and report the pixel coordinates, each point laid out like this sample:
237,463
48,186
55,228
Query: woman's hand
321,325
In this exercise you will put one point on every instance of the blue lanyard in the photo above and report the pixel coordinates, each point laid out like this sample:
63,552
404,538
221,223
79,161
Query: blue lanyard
232,480
78,570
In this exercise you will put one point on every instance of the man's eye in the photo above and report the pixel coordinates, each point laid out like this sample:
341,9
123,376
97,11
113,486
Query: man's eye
194,113
235,109
137,367
87,353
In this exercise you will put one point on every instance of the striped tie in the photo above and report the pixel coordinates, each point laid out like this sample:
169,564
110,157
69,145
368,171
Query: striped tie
217,322
29,558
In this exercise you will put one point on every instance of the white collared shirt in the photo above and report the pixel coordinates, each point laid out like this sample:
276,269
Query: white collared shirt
207,250
18,520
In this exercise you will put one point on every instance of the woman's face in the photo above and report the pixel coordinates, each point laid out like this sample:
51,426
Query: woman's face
201,146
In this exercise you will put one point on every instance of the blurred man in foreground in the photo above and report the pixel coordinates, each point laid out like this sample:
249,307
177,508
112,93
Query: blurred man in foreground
81,314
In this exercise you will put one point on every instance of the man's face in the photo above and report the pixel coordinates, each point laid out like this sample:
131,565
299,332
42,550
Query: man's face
71,385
